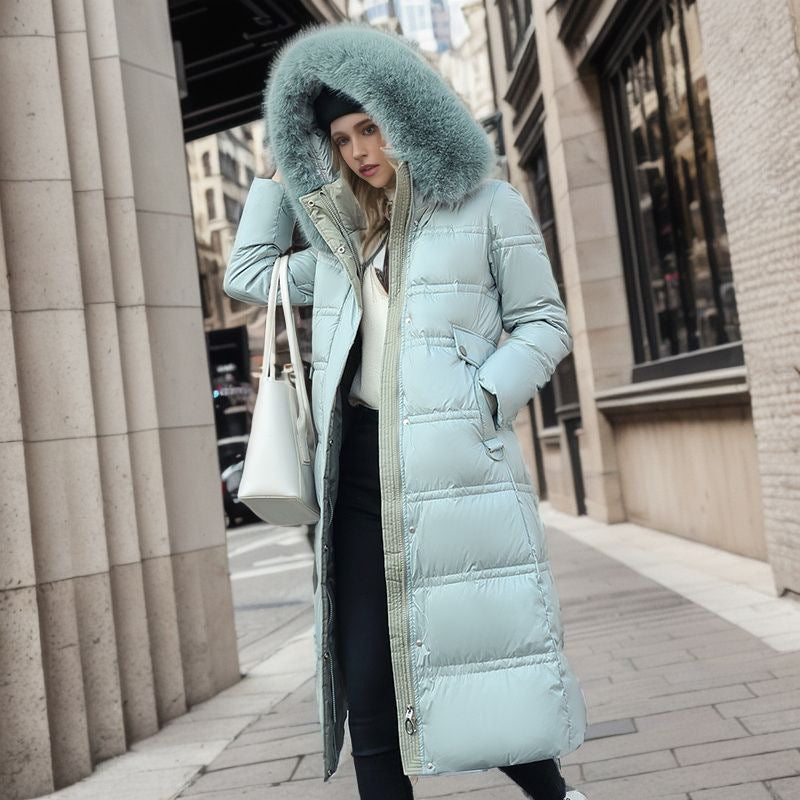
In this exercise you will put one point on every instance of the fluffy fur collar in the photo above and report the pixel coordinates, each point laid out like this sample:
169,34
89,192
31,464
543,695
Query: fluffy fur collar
448,152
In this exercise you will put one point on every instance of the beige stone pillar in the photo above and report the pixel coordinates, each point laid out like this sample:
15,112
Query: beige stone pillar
58,422
588,240
115,600
180,378
24,734
753,74
108,390
136,360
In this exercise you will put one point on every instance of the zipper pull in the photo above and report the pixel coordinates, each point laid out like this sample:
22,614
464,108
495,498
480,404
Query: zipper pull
409,723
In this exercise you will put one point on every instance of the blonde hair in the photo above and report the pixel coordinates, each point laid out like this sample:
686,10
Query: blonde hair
373,201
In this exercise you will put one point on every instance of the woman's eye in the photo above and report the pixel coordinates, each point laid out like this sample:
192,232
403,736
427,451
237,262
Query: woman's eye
369,128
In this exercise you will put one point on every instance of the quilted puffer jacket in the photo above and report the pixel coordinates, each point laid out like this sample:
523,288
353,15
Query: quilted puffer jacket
480,675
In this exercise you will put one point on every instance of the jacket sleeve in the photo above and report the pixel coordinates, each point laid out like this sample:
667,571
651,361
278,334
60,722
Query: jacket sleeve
264,233
532,311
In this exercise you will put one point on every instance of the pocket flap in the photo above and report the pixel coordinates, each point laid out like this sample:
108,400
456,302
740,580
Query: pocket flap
471,346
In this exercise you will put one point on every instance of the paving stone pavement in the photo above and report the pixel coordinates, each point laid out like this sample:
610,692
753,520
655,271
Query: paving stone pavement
683,705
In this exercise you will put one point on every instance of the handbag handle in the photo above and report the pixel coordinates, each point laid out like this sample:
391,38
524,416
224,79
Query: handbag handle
305,421
306,435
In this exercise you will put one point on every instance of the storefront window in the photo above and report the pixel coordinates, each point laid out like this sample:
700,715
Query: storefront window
671,215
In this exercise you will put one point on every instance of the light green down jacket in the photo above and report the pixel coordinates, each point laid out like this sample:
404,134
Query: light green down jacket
480,676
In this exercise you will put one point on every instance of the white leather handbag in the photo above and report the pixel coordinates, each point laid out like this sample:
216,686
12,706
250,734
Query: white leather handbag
278,475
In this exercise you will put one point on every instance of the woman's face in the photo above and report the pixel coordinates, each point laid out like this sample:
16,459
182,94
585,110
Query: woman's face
358,140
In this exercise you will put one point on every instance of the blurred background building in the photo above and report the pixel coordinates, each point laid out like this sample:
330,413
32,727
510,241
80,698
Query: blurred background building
655,141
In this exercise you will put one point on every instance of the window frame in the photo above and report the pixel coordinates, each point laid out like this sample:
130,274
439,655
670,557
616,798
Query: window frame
232,208
645,336
522,12
211,203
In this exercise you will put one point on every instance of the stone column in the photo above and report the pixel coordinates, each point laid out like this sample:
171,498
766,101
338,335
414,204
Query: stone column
136,360
169,300
588,240
24,734
58,422
108,390
115,600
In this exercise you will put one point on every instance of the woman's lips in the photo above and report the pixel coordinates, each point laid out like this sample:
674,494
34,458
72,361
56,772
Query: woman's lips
369,170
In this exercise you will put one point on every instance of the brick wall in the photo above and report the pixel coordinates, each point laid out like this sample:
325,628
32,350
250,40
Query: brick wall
752,56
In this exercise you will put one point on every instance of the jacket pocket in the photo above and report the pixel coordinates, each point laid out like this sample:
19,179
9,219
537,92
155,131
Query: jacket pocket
473,349
487,418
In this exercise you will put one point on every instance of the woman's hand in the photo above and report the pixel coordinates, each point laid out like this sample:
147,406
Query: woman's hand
491,399
275,176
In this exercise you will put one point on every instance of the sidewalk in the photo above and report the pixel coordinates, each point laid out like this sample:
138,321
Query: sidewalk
690,665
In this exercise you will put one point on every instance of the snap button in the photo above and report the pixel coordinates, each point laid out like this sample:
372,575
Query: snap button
430,765
411,528
408,319
462,349
405,421
325,654
340,248
416,222
419,642
311,202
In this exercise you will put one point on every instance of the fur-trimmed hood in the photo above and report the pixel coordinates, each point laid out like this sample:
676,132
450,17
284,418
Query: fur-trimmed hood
448,152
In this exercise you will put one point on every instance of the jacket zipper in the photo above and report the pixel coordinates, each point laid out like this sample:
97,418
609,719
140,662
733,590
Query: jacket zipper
410,754
326,617
330,657
398,252
409,723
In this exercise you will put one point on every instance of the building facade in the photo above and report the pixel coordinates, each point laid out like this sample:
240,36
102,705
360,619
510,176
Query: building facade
466,66
652,137
221,169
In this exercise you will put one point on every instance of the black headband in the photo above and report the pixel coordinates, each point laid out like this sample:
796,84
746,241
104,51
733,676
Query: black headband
330,104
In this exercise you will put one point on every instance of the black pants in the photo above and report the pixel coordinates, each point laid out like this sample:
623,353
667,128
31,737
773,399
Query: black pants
363,632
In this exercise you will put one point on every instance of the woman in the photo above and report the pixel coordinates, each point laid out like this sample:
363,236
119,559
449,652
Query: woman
437,622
